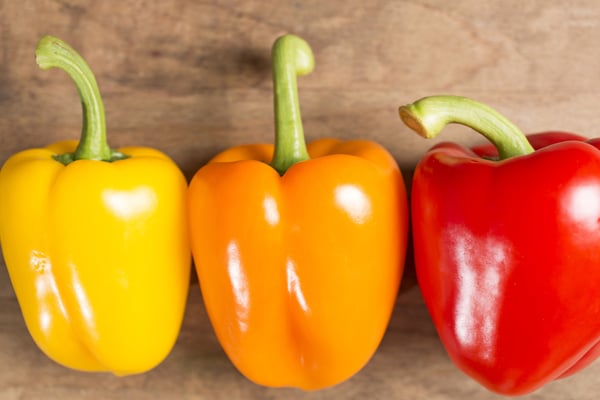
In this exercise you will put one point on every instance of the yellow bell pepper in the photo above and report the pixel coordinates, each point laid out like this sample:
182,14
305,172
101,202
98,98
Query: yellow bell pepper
95,241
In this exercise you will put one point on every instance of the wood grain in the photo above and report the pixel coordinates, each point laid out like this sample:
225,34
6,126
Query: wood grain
193,77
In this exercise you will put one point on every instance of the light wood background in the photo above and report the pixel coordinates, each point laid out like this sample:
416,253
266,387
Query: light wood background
193,77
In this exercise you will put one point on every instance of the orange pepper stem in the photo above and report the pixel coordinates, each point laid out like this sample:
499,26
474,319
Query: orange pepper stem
429,115
52,52
292,57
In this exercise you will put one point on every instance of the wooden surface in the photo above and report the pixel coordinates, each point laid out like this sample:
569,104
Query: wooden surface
193,77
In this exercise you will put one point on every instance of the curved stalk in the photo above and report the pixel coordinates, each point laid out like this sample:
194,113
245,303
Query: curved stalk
52,52
292,57
429,115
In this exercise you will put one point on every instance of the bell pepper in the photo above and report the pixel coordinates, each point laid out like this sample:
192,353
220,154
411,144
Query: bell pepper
299,250
507,249
95,240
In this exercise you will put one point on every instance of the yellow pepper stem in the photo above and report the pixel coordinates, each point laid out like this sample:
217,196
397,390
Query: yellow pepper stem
292,57
52,52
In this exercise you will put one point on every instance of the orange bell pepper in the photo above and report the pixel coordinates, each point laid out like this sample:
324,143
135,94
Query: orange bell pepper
300,260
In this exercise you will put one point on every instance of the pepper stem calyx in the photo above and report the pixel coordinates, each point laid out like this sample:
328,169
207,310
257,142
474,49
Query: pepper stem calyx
429,115
52,52
292,57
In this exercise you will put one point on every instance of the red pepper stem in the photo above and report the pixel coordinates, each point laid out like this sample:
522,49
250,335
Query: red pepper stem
52,52
292,57
429,115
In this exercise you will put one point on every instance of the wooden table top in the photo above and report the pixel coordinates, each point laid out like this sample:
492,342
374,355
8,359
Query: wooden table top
193,78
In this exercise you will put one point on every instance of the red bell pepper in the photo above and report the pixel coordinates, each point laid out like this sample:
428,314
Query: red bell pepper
507,250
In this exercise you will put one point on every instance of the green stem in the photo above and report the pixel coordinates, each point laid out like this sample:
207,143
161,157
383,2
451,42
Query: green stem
429,115
52,52
292,57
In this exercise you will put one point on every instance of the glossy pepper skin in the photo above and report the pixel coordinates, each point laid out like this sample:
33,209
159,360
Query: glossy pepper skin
97,251
299,269
507,251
